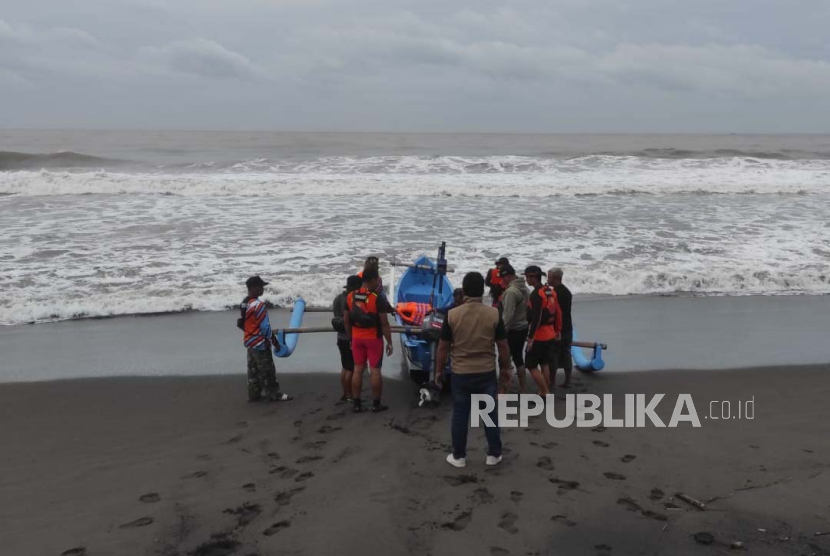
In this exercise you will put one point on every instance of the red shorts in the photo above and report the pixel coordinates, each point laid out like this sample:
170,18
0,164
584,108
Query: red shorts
368,350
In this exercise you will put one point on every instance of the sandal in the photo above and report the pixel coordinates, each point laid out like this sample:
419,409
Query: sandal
280,397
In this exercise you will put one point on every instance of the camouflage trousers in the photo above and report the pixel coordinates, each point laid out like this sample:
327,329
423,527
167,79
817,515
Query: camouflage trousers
262,375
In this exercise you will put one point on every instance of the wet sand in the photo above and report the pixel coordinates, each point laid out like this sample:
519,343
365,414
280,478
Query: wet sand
643,333
184,466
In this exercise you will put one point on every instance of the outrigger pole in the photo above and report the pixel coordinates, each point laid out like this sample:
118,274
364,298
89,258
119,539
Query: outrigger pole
408,330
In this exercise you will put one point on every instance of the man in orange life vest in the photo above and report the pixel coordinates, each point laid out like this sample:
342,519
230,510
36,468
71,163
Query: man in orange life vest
494,282
367,325
544,326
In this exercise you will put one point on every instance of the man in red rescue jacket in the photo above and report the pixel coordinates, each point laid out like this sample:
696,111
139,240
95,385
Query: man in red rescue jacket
367,324
544,326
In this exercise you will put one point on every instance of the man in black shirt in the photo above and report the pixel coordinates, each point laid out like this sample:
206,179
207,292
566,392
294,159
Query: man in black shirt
561,350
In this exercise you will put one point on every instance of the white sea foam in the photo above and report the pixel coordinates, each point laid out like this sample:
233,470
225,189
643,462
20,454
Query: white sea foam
95,255
503,176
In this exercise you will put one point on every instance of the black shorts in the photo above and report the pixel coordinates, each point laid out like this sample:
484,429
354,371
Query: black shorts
516,341
539,354
560,353
346,356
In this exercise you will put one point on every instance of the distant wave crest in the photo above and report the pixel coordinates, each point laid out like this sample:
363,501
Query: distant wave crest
444,176
10,160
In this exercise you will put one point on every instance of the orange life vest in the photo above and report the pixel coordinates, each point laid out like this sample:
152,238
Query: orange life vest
495,278
412,312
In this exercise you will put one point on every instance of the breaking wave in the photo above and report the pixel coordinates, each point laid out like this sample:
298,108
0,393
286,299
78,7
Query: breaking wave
443,176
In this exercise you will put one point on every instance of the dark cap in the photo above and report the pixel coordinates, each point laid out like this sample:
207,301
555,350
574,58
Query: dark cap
502,260
353,283
533,270
507,270
254,281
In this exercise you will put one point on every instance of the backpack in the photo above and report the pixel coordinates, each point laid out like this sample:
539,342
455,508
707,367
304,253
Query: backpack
243,310
337,322
549,308
360,314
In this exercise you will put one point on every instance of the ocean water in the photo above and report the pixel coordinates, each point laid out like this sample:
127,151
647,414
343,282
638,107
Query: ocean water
108,223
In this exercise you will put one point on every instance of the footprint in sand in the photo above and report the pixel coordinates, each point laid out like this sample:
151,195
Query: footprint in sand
564,485
545,463
288,473
508,523
314,445
400,428
633,506
196,475
235,439
326,429
458,480
204,457
499,551
150,498
272,455
336,416
284,498
249,487
599,428
656,494
516,496
629,504
347,452
78,551
304,477
628,458
614,476
307,459
245,513
276,528
140,522
483,496
601,443
298,422
563,519
459,523
654,515
220,544
602,547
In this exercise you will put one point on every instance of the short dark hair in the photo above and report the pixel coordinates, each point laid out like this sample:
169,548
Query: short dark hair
473,284
370,274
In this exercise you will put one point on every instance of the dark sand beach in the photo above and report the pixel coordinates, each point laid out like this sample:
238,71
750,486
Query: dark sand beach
184,466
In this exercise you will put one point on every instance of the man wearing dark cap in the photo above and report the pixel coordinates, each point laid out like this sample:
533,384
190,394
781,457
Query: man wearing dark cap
544,323
493,281
514,313
262,375
353,283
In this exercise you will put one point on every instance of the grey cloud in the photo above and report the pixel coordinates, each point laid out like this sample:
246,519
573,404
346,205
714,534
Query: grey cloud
445,64
204,58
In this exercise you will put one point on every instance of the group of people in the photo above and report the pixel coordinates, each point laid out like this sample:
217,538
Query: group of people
538,322
531,328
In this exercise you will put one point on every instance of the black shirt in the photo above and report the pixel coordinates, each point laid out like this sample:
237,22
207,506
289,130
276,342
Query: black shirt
564,297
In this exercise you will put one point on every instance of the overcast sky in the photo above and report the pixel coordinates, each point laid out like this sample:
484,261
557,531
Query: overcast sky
423,65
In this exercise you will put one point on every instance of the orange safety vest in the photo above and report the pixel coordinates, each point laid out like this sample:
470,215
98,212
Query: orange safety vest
495,279
412,312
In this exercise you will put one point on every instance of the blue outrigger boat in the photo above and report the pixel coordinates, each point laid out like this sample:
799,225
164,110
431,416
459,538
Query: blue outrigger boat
424,281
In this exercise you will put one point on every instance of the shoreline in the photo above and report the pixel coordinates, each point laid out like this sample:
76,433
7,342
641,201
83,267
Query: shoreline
642,333
174,465
582,298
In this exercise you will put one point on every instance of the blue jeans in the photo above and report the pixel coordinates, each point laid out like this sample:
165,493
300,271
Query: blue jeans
463,387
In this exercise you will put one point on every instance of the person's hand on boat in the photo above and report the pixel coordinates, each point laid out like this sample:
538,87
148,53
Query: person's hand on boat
389,349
